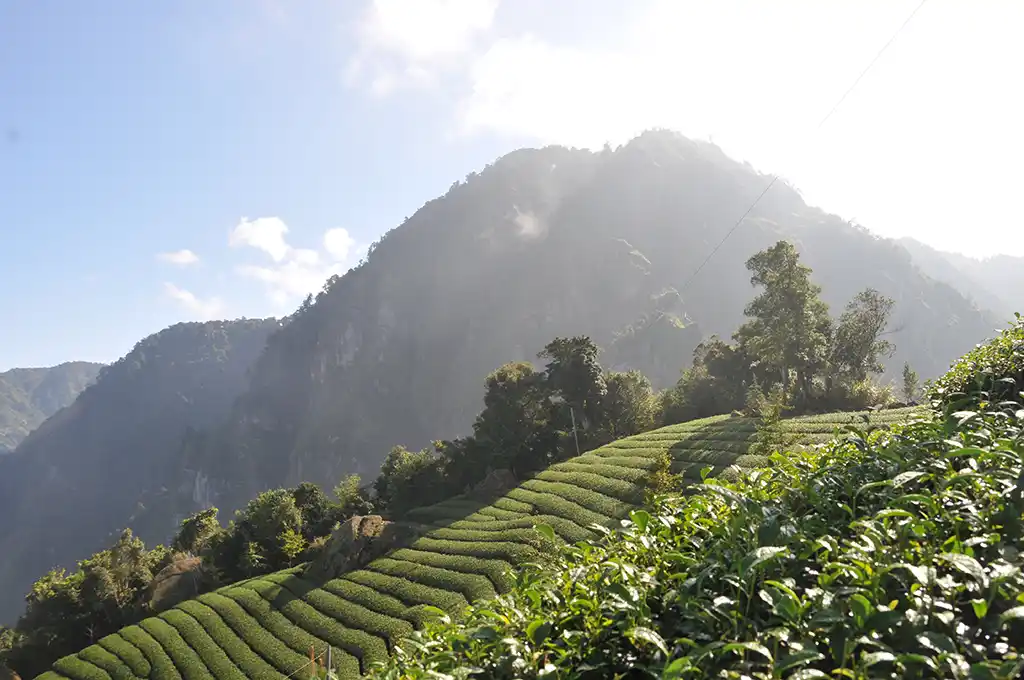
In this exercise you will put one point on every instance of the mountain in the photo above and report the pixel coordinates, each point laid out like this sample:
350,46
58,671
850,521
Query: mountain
28,396
542,243
993,282
97,465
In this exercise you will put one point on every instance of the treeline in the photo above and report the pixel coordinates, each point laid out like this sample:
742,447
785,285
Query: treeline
790,348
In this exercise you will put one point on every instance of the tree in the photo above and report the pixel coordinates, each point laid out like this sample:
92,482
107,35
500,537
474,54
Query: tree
514,430
317,512
716,383
857,345
574,372
910,383
409,479
352,498
196,531
790,327
630,406
263,525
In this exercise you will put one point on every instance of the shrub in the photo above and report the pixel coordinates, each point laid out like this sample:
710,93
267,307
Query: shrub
205,646
280,626
78,669
126,652
992,371
497,571
115,667
409,592
891,554
554,505
162,666
470,586
592,500
184,657
281,657
252,664
621,490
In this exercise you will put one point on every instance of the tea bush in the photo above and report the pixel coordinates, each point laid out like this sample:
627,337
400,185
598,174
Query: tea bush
881,555
994,370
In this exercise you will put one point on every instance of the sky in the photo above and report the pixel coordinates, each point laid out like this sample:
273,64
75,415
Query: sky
179,160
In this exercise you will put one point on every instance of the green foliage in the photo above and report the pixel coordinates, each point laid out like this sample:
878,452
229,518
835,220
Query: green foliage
196,531
28,396
873,556
993,371
110,460
353,499
474,553
789,341
409,479
911,384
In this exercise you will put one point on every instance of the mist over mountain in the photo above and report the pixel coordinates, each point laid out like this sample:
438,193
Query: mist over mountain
94,467
28,396
993,282
541,243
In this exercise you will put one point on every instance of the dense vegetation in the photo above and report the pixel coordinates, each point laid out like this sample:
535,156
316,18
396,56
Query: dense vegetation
264,626
544,243
541,244
881,555
28,396
531,420
103,463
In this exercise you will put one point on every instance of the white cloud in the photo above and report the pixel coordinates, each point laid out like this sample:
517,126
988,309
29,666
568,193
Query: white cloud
338,243
264,233
202,310
296,272
406,42
182,257
932,118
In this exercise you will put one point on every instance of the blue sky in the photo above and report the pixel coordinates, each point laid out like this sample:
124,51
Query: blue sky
173,160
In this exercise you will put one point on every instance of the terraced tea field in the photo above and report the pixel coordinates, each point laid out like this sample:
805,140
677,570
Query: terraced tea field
264,627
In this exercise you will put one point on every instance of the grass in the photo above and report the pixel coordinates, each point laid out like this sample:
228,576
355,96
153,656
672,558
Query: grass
263,627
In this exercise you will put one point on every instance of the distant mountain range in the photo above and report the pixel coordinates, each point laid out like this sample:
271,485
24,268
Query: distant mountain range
541,243
28,396
995,283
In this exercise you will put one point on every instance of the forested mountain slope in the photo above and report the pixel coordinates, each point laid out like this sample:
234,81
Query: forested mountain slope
28,396
542,243
94,467
995,283
264,627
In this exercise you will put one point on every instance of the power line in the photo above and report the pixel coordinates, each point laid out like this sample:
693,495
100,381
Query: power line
828,115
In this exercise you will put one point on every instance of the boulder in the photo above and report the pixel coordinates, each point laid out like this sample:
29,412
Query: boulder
183,579
496,483
356,542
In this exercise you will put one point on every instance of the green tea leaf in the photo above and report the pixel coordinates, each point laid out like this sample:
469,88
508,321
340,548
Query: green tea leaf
546,531
967,565
649,636
750,647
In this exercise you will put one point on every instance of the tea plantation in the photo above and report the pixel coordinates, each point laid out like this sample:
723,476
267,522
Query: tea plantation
264,627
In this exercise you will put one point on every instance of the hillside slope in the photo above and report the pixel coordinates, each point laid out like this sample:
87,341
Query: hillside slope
993,282
542,243
264,627
28,396
96,466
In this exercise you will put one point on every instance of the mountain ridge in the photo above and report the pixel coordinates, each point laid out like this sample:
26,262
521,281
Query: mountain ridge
541,243
103,459
30,395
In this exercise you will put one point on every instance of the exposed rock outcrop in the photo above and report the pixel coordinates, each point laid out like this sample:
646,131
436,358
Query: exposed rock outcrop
356,542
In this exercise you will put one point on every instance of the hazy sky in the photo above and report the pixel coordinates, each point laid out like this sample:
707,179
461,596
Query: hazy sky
173,160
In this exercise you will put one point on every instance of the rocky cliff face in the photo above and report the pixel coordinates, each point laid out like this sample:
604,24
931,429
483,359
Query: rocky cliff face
543,243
